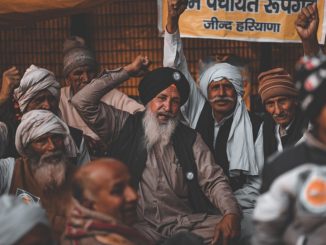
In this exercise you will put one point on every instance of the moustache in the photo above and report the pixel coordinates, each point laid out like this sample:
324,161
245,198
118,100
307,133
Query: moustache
52,157
165,113
221,99
281,115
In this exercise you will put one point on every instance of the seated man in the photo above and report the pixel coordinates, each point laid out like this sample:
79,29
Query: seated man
312,84
23,224
79,68
284,123
104,206
179,185
39,89
43,173
217,111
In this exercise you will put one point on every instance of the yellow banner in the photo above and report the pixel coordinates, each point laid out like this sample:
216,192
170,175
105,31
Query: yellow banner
247,20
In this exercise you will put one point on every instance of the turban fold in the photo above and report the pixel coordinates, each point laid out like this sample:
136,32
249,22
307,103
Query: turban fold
34,81
76,54
37,123
159,79
276,82
18,218
221,71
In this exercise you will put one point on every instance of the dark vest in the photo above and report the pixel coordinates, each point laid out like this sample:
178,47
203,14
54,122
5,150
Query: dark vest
294,133
54,203
130,149
205,126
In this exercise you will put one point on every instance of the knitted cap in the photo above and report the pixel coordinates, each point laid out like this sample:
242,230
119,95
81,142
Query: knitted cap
76,54
276,82
159,79
311,82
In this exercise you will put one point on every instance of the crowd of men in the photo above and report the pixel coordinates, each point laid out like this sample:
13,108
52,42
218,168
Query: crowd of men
188,164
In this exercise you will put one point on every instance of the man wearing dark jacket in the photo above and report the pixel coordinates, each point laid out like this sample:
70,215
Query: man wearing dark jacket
179,185
284,122
313,103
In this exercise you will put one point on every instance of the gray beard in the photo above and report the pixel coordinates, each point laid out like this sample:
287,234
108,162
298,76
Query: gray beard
50,170
156,133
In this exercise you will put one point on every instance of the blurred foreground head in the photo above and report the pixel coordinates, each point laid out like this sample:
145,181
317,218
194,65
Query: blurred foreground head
104,186
311,82
23,223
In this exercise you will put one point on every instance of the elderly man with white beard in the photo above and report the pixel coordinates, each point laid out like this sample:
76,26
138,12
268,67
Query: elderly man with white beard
217,111
43,173
179,185
39,90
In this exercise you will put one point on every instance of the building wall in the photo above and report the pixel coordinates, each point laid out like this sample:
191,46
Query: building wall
118,32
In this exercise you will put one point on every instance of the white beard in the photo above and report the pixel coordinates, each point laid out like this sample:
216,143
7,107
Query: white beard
50,170
156,133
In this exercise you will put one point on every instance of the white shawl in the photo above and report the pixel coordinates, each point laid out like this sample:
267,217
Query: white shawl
240,145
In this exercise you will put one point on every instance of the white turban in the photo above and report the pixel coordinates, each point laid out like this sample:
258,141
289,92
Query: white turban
35,80
3,138
18,218
244,158
40,122
221,71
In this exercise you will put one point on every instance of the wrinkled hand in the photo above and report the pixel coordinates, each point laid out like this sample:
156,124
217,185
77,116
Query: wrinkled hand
10,80
138,67
307,22
227,229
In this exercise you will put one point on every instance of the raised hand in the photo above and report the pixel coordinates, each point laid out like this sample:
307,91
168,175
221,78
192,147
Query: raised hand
175,9
10,80
306,25
138,67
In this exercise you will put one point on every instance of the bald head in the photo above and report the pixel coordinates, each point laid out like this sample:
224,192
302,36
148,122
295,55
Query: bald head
91,176
103,185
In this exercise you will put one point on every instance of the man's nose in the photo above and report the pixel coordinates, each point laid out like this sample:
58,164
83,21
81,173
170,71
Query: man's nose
84,77
167,105
130,194
277,109
46,105
50,146
221,91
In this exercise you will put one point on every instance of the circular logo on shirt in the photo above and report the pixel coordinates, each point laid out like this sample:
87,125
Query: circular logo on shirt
313,194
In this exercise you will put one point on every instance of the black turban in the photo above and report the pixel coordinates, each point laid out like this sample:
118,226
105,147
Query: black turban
311,82
159,79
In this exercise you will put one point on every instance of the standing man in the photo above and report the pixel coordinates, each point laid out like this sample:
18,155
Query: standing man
217,111
43,172
284,123
179,185
79,68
